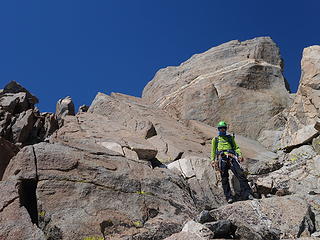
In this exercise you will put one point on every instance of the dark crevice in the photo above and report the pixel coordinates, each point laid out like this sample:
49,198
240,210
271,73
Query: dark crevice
7,204
28,198
179,156
156,163
35,162
104,225
308,223
191,192
151,132
152,212
270,191
307,142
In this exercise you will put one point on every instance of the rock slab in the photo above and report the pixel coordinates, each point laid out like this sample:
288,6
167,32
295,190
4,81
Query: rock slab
243,77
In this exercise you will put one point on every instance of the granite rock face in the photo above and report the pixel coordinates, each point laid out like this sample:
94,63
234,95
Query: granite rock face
272,218
64,107
202,180
20,122
15,219
239,82
139,168
152,127
304,113
82,191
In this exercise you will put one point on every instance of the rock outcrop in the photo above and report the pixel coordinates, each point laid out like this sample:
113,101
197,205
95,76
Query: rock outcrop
239,82
201,177
64,107
139,168
304,113
152,127
20,122
84,191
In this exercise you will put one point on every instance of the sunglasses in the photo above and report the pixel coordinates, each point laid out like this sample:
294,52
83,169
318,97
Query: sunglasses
219,128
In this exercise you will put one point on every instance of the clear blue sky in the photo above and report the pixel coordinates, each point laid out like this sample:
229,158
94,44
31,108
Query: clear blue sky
77,48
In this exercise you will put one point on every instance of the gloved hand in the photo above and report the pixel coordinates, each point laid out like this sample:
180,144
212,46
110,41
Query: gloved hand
241,159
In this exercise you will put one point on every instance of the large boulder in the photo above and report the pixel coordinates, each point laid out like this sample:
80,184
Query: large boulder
93,193
153,127
299,176
240,82
304,113
271,139
193,230
95,131
203,182
22,127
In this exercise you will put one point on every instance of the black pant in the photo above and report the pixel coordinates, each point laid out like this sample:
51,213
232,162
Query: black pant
233,164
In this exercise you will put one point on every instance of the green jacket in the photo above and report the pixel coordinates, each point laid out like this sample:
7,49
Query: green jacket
222,145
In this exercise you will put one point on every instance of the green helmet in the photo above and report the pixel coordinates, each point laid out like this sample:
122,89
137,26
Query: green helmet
222,124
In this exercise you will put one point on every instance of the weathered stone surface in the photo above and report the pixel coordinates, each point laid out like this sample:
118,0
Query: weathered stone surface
20,122
185,236
130,154
85,193
64,107
99,176
15,219
14,87
23,125
113,147
317,164
14,102
92,130
270,218
271,139
316,144
23,165
302,154
222,228
315,234
303,114
204,185
7,151
244,76
171,139
50,125
198,229
297,176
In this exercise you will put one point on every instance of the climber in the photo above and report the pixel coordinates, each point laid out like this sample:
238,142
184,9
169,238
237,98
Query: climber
225,155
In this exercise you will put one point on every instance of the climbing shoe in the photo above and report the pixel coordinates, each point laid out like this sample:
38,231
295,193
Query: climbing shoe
230,200
250,197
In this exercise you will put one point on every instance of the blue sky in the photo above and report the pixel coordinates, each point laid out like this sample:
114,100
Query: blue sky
77,48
